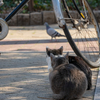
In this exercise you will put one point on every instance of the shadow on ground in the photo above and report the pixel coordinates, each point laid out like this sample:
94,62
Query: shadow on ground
24,76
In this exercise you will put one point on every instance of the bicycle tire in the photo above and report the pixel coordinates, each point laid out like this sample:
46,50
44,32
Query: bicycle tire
4,29
78,52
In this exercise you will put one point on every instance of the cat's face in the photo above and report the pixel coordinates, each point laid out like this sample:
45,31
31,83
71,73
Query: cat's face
55,52
58,60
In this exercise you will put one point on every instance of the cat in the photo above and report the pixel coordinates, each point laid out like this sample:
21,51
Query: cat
55,52
66,80
77,61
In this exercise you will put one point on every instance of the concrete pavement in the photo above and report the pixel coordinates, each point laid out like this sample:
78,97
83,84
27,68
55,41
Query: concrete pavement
23,69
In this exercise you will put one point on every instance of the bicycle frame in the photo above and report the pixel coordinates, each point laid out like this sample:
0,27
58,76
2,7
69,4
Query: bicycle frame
67,11
16,10
58,13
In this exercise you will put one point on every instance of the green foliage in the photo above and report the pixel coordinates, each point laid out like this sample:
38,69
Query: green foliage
8,4
40,5
25,9
70,4
95,4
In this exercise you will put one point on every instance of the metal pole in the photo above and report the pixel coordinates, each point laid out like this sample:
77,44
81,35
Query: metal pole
16,10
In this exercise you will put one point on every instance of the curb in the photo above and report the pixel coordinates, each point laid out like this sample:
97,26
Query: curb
97,89
39,18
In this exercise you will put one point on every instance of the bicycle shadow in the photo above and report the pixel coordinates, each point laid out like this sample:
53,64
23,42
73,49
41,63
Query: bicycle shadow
8,42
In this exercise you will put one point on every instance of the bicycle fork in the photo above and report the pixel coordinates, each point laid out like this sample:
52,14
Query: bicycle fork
59,16
58,13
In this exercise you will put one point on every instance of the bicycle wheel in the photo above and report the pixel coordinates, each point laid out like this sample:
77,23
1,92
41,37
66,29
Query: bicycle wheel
3,29
84,38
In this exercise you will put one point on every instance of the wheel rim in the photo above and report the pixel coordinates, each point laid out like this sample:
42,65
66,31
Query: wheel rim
87,40
4,29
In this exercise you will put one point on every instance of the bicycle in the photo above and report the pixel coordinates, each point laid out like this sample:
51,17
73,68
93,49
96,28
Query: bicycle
83,34
3,22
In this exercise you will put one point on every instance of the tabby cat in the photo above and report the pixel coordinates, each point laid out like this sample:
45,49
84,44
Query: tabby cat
66,80
55,52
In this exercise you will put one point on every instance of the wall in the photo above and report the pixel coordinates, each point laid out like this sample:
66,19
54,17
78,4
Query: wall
39,18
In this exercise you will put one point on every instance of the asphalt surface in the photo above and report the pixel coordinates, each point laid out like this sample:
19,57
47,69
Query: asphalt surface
23,67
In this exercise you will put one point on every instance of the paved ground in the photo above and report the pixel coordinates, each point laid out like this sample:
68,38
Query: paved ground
31,39
23,69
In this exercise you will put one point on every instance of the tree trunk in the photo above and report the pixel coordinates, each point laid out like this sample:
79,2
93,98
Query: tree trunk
30,5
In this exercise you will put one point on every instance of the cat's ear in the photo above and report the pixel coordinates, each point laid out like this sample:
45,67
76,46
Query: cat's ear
66,56
52,56
61,50
48,51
